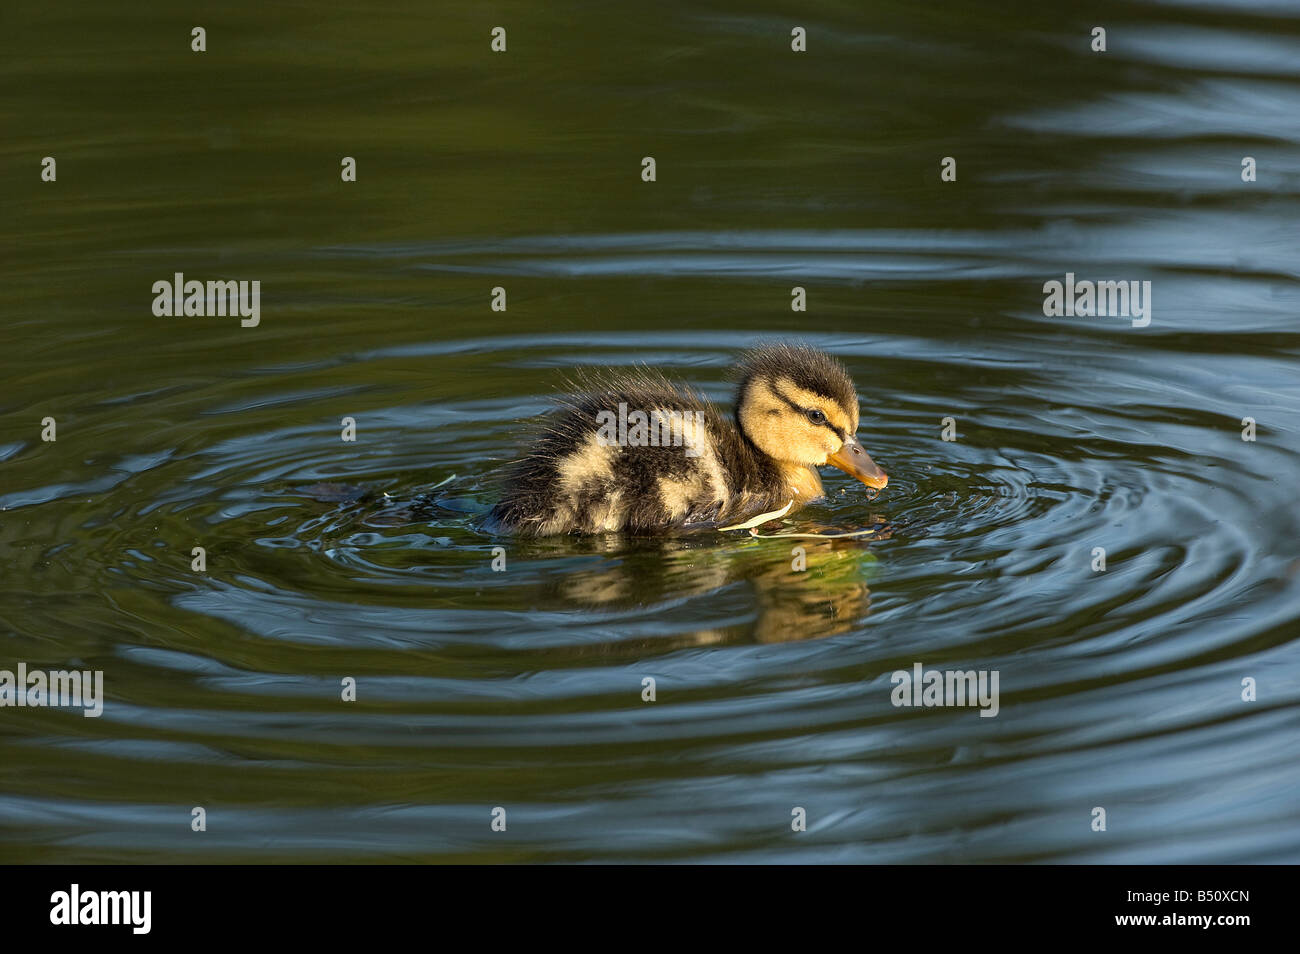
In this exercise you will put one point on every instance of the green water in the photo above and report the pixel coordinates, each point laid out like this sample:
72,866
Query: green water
1120,689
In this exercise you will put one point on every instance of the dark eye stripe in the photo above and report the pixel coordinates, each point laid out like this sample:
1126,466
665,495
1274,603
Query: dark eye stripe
842,435
835,430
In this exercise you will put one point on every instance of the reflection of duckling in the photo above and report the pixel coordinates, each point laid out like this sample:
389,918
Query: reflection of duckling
827,597
636,453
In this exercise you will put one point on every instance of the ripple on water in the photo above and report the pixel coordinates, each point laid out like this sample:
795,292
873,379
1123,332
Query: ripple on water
374,563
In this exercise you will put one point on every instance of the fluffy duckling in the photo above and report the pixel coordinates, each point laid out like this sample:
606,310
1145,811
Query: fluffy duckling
636,453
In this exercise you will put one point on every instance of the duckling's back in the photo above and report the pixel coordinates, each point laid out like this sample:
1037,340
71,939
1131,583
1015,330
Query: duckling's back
631,453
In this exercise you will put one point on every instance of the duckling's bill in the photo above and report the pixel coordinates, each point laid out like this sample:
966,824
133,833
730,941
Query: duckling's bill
857,463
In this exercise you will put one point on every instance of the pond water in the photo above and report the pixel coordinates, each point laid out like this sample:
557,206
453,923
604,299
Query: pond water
522,688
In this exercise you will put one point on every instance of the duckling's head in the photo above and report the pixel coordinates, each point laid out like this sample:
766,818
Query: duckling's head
798,406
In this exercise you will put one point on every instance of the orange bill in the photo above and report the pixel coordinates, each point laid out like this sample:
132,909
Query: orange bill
856,462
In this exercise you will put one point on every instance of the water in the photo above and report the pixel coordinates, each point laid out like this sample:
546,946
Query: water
523,689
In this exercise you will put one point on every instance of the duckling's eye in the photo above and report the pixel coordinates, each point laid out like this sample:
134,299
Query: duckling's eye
816,416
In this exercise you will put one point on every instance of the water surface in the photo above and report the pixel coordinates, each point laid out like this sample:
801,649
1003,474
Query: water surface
522,689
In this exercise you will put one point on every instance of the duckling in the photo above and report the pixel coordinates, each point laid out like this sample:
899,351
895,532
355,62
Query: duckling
638,454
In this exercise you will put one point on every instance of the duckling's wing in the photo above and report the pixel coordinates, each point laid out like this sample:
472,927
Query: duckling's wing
590,468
